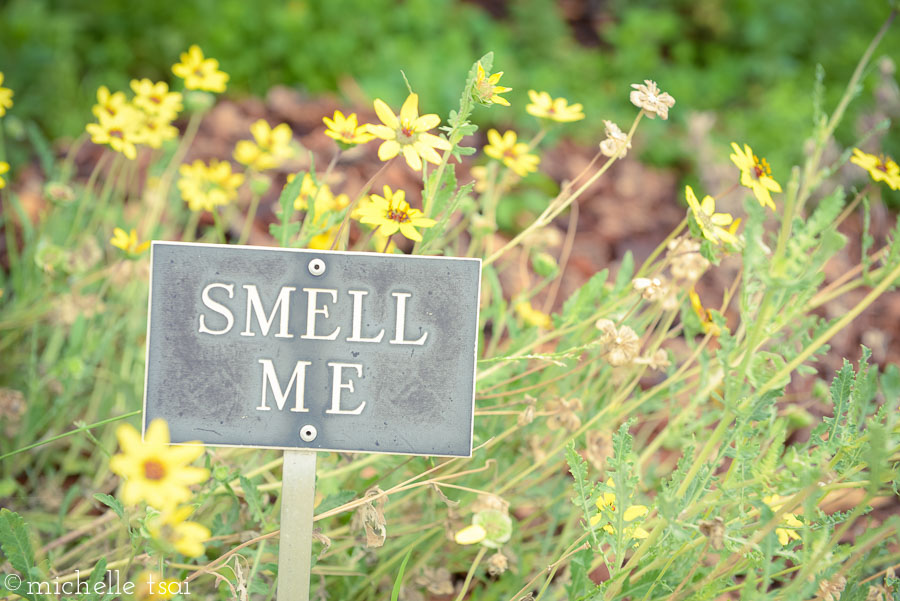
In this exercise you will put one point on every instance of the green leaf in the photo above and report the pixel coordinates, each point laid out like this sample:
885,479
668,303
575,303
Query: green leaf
585,494
111,502
15,544
584,303
254,499
395,593
336,500
626,272
286,229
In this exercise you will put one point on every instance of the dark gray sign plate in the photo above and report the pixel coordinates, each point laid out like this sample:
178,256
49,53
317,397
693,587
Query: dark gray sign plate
331,351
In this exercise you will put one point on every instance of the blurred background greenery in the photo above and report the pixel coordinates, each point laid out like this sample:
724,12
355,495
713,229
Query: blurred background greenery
753,61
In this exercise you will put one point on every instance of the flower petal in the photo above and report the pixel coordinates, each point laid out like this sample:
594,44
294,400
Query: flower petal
386,115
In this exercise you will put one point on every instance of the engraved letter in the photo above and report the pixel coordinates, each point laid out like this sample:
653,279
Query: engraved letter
400,331
312,311
337,385
218,308
270,379
282,306
356,336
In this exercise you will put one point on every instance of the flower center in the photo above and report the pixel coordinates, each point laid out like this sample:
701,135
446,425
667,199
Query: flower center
407,133
349,134
881,164
156,99
117,133
198,72
761,167
154,470
398,215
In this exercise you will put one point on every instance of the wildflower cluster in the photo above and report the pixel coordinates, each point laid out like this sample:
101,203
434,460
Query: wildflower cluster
146,118
160,475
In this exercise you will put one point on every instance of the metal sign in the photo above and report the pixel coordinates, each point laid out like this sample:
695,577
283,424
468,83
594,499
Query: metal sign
316,350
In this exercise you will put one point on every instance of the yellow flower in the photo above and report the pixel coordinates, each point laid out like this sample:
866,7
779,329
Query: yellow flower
271,148
470,535
558,109
513,154
407,134
4,167
606,506
154,471
172,529
710,222
200,73
486,89
108,104
5,97
785,535
648,97
155,129
882,168
128,241
155,98
324,202
119,130
755,174
392,213
205,187
706,321
346,129
150,585
532,316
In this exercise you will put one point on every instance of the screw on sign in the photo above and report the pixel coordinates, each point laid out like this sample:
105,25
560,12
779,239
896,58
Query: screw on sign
311,351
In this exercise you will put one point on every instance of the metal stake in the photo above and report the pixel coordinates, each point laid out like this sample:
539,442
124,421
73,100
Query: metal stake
298,491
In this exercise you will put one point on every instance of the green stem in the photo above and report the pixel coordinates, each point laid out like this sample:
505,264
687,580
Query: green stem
472,568
811,168
71,432
220,231
560,203
251,216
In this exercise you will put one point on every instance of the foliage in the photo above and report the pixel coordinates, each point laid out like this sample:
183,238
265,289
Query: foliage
638,443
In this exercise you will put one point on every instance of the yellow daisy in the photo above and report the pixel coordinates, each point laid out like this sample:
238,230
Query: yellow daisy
785,535
606,509
706,321
513,154
755,174
708,220
882,168
346,129
324,202
270,148
5,97
391,213
532,316
155,98
119,130
407,134
108,103
172,529
200,73
4,168
205,187
128,241
486,89
558,109
154,471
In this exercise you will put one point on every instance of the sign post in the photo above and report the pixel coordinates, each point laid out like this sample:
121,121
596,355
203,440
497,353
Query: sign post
298,493
311,351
